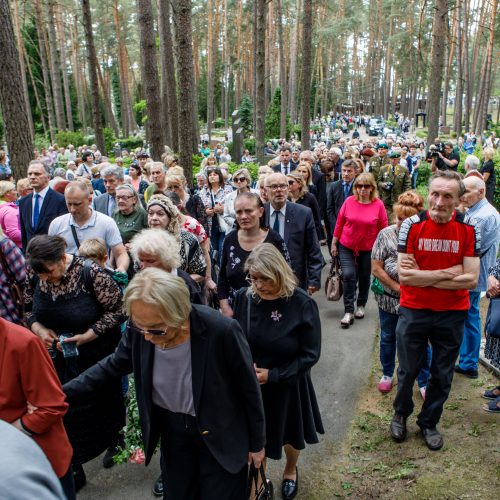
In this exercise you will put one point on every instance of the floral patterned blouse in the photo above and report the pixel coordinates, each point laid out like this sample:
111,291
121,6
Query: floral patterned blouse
194,227
209,199
495,270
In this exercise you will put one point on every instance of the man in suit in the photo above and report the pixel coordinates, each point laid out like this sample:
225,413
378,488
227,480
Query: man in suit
336,194
295,224
38,209
285,166
113,177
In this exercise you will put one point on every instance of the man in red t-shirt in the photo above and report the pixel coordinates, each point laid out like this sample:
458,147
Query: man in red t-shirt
438,262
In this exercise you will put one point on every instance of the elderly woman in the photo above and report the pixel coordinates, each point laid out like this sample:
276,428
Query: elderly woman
139,183
261,186
298,193
162,214
283,328
242,180
213,197
360,219
12,271
130,217
64,296
247,157
385,269
9,212
183,357
23,187
489,176
250,233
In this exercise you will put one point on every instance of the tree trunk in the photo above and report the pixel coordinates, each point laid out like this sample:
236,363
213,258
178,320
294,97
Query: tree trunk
182,20
150,82
305,115
55,68
78,79
108,111
459,93
282,68
436,70
169,84
212,35
260,76
94,84
12,97
292,80
466,66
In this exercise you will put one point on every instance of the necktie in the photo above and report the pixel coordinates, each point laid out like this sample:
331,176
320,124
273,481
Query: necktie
285,168
346,191
36,210
276,225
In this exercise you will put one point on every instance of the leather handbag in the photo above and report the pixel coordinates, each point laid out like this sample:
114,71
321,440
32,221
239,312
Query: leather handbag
258,486
333,283
492,326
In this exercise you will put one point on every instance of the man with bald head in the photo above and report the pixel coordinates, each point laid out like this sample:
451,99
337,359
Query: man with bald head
83,222
486,217
38,209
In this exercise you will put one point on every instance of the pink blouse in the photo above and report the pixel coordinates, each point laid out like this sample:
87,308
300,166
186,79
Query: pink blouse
9,222
358,224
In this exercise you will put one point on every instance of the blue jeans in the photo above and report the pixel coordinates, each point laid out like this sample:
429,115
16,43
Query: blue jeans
388,323
469,349
217,240
414,176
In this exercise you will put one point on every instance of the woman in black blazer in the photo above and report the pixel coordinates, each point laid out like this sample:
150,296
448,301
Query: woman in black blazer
196,388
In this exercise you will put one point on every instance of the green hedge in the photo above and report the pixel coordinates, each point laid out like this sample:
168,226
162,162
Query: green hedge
131,143
64,138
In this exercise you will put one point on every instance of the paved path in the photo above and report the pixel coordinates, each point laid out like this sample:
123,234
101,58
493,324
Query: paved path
341,372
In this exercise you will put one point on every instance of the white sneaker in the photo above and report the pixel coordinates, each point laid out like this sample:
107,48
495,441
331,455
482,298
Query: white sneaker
347,320
360,312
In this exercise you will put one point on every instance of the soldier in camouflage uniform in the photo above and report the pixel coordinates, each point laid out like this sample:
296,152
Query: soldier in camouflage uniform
379,160
393,179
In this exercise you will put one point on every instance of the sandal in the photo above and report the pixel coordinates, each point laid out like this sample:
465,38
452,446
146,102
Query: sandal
493,406
492,393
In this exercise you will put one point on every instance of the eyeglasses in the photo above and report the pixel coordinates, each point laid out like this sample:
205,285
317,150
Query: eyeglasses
275,187
240,179
252,280
170,188
124,197
364,186
143,331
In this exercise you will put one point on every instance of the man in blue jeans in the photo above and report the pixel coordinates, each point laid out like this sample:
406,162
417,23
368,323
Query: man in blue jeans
487,219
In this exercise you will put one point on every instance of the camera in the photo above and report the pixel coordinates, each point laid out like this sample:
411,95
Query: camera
69,349
388,186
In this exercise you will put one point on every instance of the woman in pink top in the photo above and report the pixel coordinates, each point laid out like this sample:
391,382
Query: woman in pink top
360,219
9,212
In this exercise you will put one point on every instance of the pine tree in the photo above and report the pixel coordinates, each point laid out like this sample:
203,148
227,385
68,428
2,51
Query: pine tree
246,113
273,117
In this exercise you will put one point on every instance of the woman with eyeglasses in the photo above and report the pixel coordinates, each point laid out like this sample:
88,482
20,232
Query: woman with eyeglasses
283,328
250,232
196,389
298,193
130,217
360,219
62,297
242,181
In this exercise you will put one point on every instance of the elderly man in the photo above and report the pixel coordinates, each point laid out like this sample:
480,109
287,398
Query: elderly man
438,262
157,176
113,176
83,223
335,156
295,224
487,219
471,163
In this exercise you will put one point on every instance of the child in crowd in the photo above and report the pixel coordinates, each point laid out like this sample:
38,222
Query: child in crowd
94,249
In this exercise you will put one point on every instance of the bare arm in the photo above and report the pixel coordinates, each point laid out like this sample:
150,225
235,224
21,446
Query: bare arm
410,274
486,176
465,281
380,273
120,257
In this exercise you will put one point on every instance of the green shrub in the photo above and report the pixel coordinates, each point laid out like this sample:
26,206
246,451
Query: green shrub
273,117
41,141
109,139
64,137
424,173
250,145
219,123
140,112
246,113
297,130
131,143
197,159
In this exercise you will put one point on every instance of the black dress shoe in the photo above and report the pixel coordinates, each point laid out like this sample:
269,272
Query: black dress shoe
107,460
158,487
398,428
79,477
432,438
289,487
467,373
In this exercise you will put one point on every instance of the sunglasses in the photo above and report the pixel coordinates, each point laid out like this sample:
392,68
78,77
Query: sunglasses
365,186
143,331
290,182
240,179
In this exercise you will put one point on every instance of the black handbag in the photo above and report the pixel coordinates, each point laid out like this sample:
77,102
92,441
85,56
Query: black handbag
492,326
256,491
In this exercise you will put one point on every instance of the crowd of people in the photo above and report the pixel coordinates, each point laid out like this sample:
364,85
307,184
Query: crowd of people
206,295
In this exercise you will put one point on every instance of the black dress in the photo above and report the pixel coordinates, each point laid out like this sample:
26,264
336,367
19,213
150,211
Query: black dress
69,307
309,200
232,277
285,337
489,167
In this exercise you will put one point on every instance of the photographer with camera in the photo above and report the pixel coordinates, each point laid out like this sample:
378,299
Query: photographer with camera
393,180
445,160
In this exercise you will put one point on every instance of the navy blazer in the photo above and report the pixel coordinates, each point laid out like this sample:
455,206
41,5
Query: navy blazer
227,397
334,201
277,168
53,206
302,242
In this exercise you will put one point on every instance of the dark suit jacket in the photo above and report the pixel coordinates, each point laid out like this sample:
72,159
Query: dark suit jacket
277,168
319,181
334,201
53,206
226,394
101,203
302,243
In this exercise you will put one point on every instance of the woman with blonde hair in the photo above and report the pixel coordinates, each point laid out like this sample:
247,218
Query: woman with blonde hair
282,324
360,219
192,203
242,180
9,212
489,176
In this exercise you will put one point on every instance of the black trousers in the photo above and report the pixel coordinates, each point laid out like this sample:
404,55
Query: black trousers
356,270
416,328
189,470
68,484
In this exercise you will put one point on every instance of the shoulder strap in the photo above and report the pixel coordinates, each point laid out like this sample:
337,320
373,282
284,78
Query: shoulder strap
75,236
87,276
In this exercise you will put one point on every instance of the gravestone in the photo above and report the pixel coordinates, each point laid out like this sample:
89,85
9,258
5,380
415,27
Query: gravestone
237,137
